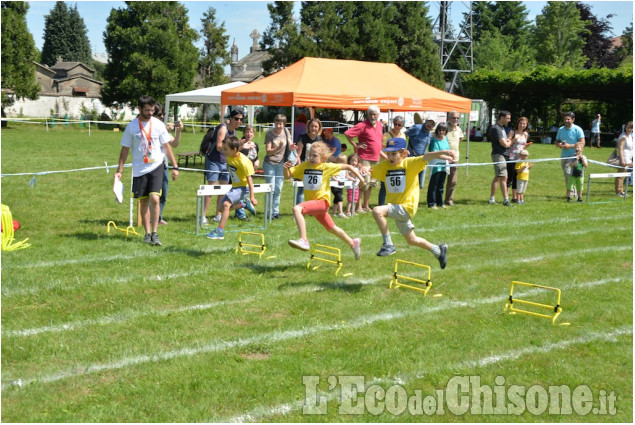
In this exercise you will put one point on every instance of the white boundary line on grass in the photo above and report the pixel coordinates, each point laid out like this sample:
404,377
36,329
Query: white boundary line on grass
140,254
260,414
275,336
132,315
123,317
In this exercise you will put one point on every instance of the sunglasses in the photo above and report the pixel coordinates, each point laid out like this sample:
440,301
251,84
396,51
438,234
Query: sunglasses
398,125
237,119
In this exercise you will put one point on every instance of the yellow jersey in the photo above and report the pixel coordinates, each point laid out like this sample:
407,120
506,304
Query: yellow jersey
239,167
402,182
316,179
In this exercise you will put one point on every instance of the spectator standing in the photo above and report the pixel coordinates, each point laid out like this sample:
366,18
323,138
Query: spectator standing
438,174
568,136
595,131
149,141
455,137
522,170
277,141
368,147
577,174
299,127
500,142
519,138
249,147
333,143
419,136
625,156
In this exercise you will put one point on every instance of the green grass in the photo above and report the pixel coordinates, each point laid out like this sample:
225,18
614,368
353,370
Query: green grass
100,327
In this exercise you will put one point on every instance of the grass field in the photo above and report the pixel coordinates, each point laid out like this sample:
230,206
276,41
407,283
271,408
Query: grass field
100,327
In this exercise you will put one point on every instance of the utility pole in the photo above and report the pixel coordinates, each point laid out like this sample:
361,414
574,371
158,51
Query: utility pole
455,48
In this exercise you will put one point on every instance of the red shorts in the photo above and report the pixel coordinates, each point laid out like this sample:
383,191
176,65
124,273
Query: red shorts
320,210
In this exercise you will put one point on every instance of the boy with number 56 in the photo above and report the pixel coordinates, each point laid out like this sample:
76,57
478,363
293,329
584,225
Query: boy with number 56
401,176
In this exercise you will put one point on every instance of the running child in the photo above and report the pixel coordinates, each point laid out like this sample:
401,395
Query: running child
241,195
522,176
316,175
401,176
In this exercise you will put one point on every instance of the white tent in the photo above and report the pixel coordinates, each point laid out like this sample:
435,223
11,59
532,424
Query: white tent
205,95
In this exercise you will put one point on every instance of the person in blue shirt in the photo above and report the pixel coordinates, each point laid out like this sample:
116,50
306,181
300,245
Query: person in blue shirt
568,136
438,174
419,136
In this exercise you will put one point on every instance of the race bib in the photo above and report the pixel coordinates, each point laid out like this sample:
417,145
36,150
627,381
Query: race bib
396,181
312,179
232,173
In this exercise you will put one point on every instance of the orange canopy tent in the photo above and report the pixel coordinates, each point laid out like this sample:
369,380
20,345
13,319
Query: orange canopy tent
345,84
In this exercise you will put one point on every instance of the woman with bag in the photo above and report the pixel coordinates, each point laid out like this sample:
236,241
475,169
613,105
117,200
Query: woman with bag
624,153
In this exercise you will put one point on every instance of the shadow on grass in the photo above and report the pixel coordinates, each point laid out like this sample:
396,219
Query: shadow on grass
330,286
266,268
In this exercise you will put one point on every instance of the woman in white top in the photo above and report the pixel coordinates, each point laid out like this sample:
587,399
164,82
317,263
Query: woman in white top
625,155
519,138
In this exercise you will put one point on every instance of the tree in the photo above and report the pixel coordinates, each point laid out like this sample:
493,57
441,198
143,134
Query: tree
598,47
282,38
65,36
214,55
151,51
80,45
18,53
624,53
508,18
496,51
559,35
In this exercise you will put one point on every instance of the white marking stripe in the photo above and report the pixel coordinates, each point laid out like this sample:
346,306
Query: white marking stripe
65,262
260,414
276,336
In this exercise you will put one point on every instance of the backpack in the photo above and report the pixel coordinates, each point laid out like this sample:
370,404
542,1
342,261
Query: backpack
207,144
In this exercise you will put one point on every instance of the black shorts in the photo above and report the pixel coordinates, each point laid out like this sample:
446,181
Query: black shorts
337,194
147,184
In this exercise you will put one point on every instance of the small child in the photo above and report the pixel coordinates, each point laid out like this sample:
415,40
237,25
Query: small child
240,169
249,147
353,193
577,174
522,176
338,200
316,174
401,175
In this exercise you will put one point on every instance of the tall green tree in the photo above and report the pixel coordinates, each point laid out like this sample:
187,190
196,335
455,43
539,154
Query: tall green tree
151,51
624,53
509,18
559,35
598,44
80,50
281,38
65,36
18,53
495,51
214,54
58,34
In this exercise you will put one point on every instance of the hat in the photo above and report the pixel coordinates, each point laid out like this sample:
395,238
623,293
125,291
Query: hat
395,144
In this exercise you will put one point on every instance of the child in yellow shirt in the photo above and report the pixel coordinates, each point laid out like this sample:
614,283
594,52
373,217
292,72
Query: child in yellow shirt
522,175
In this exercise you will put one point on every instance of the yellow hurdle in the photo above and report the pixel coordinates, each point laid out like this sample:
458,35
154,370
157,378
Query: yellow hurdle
8,237
396,276
329,251
241,245
555,308
130,230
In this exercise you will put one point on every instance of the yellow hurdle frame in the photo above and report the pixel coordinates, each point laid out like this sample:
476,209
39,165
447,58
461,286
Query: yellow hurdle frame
128,230
241,245
396,276
328,251
555,308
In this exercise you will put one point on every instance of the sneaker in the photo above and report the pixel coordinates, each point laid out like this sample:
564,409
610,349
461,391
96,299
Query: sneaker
147,238
348,214
443,257
299,244
216,234
579,199
515,201
506,203
492,200
621,195
204,222
249,207
433,207
342,215
569,199
155,239
357,248
450,203
386,250
217,218
162,221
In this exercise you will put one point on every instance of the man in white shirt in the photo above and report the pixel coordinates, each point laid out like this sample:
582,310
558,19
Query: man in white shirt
149,141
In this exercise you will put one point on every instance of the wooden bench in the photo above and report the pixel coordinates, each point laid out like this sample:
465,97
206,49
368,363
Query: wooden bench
187,156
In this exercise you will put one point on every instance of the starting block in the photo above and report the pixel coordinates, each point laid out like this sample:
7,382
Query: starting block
556,309
396,276
241,245
329,251
128,230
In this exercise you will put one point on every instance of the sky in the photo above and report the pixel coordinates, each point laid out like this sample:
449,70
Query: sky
242,17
